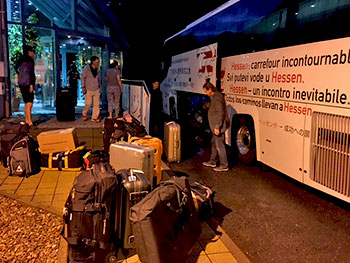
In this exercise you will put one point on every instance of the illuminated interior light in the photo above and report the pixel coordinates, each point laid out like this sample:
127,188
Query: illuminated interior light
312,6
69,36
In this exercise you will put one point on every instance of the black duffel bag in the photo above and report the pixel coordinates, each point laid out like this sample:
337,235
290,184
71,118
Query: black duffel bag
165,223
203,197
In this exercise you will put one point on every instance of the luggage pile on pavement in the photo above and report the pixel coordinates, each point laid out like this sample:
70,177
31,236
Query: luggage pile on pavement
120,200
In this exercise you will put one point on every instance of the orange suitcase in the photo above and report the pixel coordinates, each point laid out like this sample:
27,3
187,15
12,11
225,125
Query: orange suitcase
157,144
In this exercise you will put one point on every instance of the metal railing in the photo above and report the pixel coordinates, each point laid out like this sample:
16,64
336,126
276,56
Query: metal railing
136,99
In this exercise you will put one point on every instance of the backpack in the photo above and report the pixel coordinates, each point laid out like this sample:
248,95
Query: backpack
24,159
11,133
89,215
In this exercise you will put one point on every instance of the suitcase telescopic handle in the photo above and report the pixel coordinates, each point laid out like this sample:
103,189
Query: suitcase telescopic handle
132,177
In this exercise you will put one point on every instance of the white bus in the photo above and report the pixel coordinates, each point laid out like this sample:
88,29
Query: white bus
285,71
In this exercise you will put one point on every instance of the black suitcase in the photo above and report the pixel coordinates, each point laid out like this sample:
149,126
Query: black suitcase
24,159
12,132
113,131
165,223
65,104
89,216
134,185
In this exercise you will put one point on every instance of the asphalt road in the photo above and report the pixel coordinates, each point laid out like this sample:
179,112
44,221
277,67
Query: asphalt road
272,218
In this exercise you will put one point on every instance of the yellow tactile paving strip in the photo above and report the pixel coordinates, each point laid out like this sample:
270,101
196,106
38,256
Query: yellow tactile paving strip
49,190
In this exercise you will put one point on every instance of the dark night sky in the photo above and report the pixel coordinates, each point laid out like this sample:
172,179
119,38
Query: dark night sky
147,24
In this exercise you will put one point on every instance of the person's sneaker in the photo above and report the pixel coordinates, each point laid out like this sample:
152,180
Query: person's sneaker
221,168
209,164
96,120
85,118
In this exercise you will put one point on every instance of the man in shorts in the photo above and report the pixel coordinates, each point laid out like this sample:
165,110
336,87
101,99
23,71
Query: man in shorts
26,81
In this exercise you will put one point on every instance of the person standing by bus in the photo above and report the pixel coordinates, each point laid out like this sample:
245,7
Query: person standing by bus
26,81
91,85
156,109
218,122
114,88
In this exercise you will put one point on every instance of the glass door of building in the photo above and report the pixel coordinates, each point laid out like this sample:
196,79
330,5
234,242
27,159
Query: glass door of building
44,42
79,56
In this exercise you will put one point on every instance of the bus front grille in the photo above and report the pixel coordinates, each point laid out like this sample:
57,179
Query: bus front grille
330,151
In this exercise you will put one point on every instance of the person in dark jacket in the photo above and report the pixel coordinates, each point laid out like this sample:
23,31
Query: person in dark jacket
73,77
26,81
156,109
218,123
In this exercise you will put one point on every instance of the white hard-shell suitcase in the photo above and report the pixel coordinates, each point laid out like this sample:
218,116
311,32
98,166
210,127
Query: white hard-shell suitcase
172,141
124,155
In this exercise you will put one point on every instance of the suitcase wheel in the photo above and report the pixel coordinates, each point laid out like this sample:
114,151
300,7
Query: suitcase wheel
111,258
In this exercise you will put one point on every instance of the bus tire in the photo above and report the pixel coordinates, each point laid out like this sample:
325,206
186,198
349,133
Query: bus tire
244,136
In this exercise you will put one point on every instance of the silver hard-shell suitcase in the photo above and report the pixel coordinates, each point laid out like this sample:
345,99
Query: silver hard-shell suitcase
172,141
124,155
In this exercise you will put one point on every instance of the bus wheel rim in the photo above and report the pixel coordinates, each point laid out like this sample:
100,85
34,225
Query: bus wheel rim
243,140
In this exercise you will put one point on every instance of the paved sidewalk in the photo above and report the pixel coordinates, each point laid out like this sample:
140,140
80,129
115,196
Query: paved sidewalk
48,190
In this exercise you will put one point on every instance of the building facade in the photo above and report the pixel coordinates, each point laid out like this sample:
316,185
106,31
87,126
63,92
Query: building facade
63,32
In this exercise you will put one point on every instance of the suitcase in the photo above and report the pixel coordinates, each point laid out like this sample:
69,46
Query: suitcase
64,161
172,141
133,186
24,158
165,223
11,133
124,155
157,144
113,131
89,216
65,104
